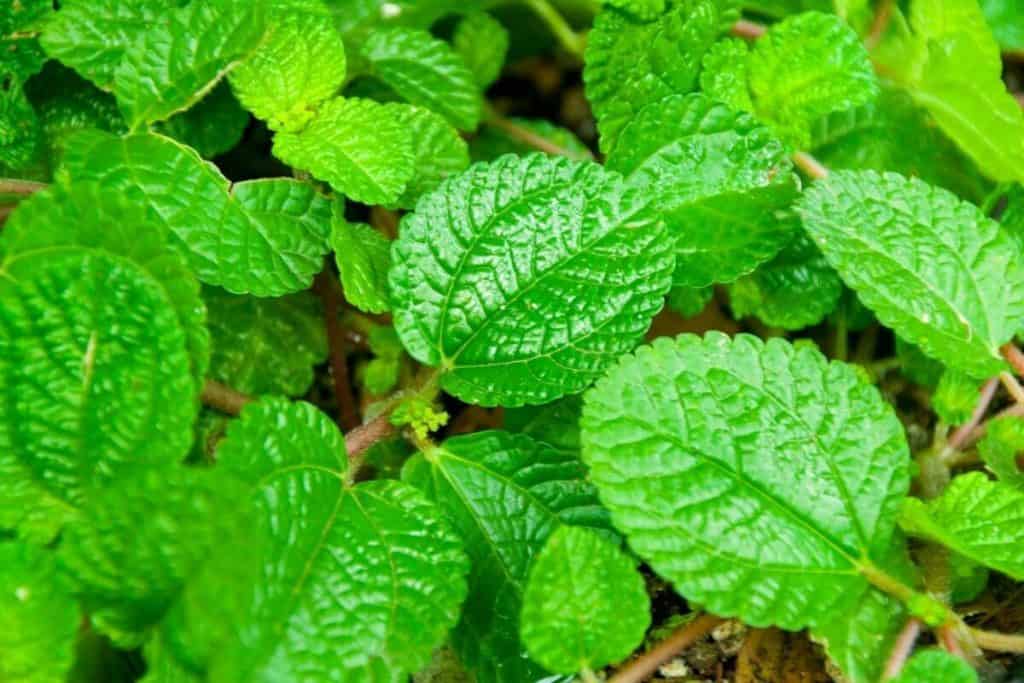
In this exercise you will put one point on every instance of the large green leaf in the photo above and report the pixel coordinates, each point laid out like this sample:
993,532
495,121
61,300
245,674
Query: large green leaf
1006,18
930,266
20,53
756,477
38,617
89,215
19,127
298,65
181,56
578,567
265,346
138,540
369,573
630,63
978,518
950,63
718,179
96,377
505,494
440,151
524,279
265,237
362,148
806,67
425,71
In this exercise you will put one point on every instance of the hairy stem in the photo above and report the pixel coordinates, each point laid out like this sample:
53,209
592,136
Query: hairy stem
809,165
998,642
530,138
641,668
223,398
327,288
901,650
573,42
20,187
748,29
359,440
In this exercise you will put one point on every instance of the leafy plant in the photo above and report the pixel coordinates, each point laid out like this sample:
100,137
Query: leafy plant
340,340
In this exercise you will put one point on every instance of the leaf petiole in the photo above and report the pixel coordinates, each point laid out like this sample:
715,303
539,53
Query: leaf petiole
572,41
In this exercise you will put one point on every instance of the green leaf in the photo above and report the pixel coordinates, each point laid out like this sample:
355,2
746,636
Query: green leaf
265,346
1006,19
976,517
482,43
630,63
935,665
425,71
719,180
492,142
181,57
97,373
895,134
951,66
806,67
137,541
1001,449
265,237
724,74
38,618
363,256
646,10
439,151
20,53
561,252
608,608
93,36
918,367
162,667
362,148
756,477
19,127
955,397
689,301
796,289
504,494
967,579
370,573
300,64
931,267
555,424
212,127
88,215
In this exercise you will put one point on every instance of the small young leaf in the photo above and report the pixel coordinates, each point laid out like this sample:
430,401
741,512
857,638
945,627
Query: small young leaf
425,71
505,494
440,151
362,148
806,67
561,252
609,612
981,519
265,237
265,346
930,266
756,477
212,127
630,63
718,179
955,397
38,617
929,666
689,301
1002,447
298,65
796,289
95,364
363,256
370,573
482,42
182,55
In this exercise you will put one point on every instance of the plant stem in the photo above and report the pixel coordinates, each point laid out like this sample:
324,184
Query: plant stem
901,650
881,21
1013,387
1014,357
573,42
330,296
588,676
1016,410
641,668
224,398
809,165
748,29
960,437
998,642
530,138
359,440
20,187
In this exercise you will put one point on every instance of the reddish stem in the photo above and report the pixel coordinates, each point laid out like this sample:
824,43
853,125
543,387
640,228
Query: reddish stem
963,433
224,398
641,668
330,295
358,440
811,166
902,648
1014,357
748,29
